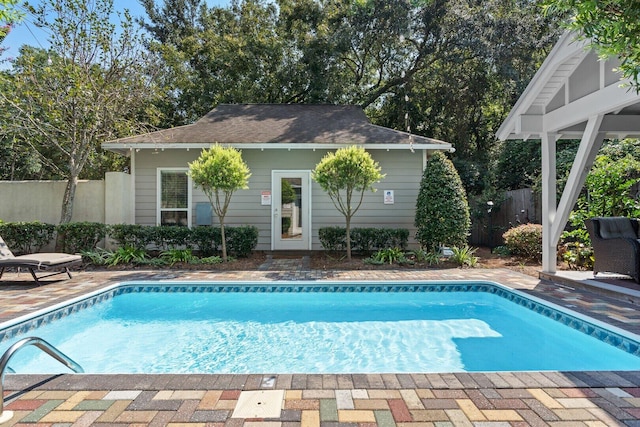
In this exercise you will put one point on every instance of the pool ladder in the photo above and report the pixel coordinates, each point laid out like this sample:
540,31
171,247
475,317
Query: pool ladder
42,345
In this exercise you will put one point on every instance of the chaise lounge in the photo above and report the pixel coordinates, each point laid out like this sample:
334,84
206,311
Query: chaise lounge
616,245
50,263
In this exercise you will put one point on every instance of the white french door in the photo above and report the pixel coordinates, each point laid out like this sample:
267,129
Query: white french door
291,210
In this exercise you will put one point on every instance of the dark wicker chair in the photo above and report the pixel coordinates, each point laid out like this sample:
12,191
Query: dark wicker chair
616,246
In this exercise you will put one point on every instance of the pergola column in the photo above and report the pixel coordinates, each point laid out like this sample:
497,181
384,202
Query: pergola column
548,201
555,217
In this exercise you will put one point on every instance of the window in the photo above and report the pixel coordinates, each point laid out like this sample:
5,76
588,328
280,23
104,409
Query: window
174,197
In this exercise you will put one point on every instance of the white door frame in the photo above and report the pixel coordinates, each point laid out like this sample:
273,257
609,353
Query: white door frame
277,241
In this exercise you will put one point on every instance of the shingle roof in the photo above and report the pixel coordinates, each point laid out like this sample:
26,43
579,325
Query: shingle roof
281,123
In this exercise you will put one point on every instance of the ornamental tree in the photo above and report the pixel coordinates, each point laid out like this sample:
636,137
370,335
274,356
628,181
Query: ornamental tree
219,172
442,211
345,175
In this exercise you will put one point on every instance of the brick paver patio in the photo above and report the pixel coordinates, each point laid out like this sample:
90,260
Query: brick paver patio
363,400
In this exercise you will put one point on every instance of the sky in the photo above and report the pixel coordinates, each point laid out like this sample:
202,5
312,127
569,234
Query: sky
27,33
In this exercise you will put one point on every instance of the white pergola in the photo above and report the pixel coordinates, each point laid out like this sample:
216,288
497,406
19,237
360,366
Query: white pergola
574,95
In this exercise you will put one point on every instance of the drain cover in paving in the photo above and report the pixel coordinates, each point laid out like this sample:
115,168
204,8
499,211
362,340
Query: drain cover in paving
259,404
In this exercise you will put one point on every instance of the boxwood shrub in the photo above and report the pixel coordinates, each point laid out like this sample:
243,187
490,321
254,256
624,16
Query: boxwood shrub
26,237
363,240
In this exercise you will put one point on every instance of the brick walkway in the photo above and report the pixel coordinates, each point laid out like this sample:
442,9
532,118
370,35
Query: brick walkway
363,400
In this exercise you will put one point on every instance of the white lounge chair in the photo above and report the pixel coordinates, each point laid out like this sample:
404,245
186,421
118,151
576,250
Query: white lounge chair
51,263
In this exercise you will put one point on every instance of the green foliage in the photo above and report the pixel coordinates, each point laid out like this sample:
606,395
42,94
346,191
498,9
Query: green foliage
207,240
464,256
96,256
609,187
525,241
212,260
620,148
9,11
371,53
127,255
26,237
345,175
166,237
518,164
333,239
608,191
442,212
152,262
219,172
364,240
173,256
286,224
502,251
288,192
241,241
577,255
388,256
176,243
610,25
133,235
81,236
422,256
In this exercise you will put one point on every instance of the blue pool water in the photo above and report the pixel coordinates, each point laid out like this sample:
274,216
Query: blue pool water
319,332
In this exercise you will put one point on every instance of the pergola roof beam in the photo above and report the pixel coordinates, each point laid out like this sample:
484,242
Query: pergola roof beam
613,125
601,102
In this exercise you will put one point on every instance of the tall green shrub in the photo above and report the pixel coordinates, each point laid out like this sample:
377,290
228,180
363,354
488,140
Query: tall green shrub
442,211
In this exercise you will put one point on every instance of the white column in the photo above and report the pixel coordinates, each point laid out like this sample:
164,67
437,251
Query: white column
548,201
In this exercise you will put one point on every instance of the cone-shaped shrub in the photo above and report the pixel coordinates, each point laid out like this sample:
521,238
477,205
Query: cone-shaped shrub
442,211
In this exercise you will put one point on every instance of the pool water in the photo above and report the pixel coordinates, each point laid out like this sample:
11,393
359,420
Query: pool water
316,332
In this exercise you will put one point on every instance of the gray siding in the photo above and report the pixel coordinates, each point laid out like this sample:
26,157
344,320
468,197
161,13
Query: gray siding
403,171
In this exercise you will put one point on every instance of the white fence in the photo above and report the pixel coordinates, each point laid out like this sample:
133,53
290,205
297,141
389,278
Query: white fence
108,201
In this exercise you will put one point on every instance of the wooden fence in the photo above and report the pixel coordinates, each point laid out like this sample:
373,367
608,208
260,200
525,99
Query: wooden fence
515,207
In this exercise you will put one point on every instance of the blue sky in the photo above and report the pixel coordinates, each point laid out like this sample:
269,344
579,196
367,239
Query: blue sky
27,33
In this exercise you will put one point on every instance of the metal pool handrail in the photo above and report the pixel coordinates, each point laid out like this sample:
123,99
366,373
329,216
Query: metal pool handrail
42,345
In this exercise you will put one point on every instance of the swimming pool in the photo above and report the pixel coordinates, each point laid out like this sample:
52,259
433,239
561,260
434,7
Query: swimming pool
318,327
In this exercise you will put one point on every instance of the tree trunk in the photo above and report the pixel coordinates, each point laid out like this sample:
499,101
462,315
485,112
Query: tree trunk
224,239
348,238
67,208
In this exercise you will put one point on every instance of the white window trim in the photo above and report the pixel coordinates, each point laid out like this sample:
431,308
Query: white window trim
159,194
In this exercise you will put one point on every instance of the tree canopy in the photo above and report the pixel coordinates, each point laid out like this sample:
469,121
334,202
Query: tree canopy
444,69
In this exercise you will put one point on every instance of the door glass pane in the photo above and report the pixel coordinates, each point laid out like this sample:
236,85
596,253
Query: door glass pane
291,207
